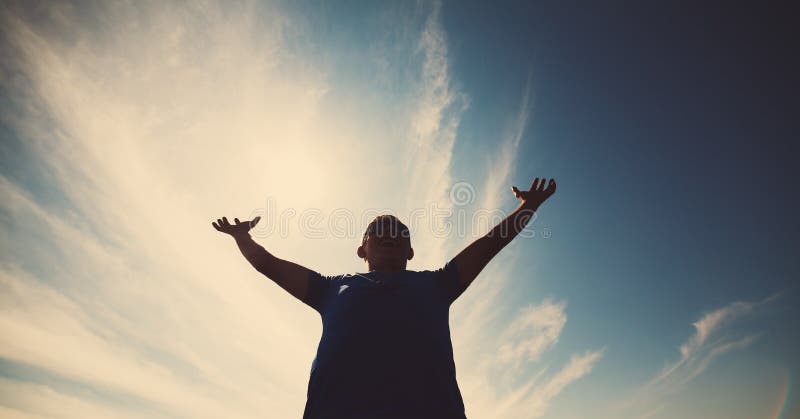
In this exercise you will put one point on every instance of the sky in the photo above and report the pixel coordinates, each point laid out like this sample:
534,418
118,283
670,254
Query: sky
660,281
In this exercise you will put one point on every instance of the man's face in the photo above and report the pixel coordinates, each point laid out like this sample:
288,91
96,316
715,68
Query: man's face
387,241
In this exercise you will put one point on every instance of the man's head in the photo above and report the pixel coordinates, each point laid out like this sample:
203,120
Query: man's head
386,244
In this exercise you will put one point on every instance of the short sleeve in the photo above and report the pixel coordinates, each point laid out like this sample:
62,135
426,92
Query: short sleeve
447,277
318,287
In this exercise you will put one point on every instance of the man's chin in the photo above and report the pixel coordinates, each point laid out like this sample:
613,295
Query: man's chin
389,258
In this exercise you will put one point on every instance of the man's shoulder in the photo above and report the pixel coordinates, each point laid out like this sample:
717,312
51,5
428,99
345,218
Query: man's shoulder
374,275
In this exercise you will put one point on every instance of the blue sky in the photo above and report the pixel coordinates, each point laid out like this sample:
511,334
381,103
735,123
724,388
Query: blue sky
660,281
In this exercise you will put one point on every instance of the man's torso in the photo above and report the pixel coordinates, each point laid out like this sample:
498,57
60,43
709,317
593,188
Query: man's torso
385,347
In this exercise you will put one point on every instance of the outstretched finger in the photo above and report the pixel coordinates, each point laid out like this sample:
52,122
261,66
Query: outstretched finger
255,221
215,226
515,190
535,184
236,220
225,221
552,186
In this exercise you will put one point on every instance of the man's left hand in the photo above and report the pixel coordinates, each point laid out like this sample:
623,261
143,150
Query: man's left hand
537,194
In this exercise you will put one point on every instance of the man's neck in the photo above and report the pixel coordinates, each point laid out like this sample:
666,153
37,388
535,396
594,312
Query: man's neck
386,268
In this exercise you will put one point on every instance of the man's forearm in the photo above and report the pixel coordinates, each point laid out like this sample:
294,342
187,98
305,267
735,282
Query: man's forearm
505,231
477,255
290,276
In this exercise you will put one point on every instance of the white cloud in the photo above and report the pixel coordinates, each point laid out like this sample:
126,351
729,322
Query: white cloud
493,365
434,120
711,322
698,345
512,391
713,337
534,331
479,306
498,180
40,401
538,401
153,121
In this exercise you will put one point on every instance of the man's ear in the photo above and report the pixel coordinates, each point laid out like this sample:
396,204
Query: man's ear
360,252
410,253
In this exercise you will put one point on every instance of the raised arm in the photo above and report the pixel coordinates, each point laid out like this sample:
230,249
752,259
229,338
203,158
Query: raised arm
288,275
471,261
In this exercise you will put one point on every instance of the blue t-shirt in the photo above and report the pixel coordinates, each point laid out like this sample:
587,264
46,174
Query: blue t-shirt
385,350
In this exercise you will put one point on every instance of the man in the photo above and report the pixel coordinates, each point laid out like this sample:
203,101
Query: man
385,350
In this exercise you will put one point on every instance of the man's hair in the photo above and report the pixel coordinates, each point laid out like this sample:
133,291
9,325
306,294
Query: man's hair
389,222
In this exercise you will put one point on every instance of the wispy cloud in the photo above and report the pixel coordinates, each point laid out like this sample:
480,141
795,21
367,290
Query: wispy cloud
437,110
154,121
714,335
534,331
519,386
28,401
539,399
479,306
699,350
150,121
498,180
500,373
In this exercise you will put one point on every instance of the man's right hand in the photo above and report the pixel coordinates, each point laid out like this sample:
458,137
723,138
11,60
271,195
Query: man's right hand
235,230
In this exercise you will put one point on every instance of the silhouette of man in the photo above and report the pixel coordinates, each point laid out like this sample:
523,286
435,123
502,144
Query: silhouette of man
385,350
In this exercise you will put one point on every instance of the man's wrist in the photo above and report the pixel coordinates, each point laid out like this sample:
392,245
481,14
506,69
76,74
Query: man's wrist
531,205
241,236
